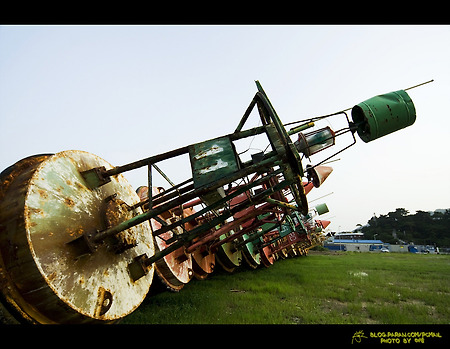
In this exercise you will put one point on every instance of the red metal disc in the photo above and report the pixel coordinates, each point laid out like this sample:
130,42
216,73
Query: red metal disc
267,257
203,262
175,269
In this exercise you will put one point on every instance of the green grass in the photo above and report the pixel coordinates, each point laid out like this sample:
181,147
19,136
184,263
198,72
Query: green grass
333,288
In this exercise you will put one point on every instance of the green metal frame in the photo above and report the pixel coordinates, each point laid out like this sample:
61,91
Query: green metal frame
204,156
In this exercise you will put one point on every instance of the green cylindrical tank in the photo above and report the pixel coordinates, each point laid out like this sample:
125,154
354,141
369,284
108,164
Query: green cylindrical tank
322,209
383,114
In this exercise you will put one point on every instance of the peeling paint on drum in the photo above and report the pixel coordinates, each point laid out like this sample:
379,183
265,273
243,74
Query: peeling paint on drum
58,207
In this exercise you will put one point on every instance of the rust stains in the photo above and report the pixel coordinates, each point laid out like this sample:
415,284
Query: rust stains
104,302
43,194
213,150
79,185
36,211
69,202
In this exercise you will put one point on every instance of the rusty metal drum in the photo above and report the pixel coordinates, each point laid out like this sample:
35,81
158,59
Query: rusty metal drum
381,115
251,255
203,262
228,257
267,257
175,269
47,204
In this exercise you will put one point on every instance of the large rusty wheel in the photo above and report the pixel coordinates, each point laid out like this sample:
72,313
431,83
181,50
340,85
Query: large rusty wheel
203,262
9,308
46,203
228,257
250,254
267,258
175,269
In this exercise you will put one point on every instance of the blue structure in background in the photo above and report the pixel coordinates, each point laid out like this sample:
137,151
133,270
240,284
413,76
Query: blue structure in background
338,244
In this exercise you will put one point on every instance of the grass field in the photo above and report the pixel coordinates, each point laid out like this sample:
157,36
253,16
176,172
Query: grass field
322,288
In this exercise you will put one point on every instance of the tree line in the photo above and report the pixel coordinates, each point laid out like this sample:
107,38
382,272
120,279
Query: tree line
421,228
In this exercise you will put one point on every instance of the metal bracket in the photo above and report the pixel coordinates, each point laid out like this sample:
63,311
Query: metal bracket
138,268
95,177
82,245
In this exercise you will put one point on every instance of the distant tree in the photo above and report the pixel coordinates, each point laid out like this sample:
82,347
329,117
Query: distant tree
399,213
420,228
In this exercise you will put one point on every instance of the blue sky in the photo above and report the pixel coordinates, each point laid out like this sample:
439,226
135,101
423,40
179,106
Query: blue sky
129,92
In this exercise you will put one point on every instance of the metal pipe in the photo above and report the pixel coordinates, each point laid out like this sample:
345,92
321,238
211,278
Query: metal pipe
247,133
245,230
190,235
282,204
246,115
149,160
423,83
222,230
255,236
300,128
255,225
163,175
180,200
237,192
174,153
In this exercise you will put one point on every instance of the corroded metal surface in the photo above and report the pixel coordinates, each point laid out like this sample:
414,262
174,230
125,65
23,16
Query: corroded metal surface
266,253
46,207
227,256
203,262
250,254
174,269
212,160
78,245
14,306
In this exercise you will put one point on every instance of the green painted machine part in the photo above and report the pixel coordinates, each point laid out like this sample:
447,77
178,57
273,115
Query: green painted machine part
322,209
212,160
383,114
228,256
250,253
